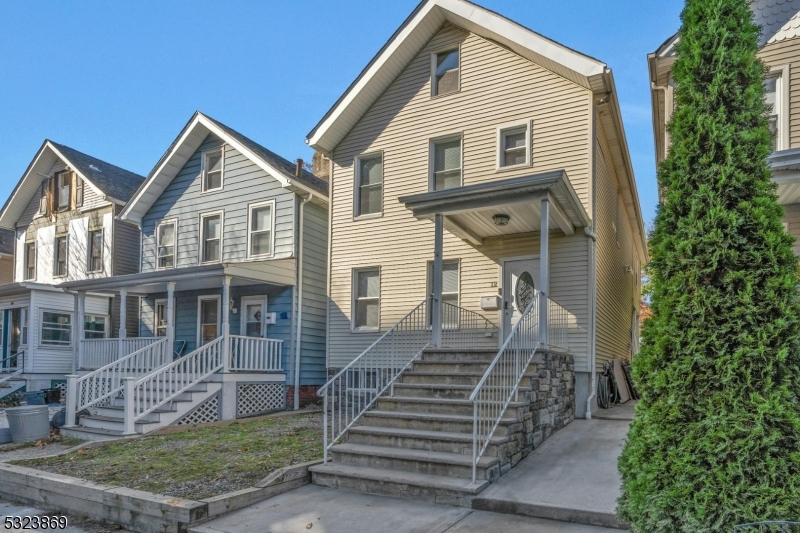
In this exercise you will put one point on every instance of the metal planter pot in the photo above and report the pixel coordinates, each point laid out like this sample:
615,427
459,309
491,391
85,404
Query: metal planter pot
28,423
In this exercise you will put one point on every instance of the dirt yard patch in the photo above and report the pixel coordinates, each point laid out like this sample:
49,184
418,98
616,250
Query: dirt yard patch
198,463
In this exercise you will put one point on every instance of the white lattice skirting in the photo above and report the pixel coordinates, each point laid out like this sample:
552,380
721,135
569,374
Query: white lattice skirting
259,398
206,412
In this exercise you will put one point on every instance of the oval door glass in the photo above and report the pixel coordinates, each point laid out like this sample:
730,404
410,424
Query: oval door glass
524,291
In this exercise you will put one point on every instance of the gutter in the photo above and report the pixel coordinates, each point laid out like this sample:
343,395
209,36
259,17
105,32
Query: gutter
299,327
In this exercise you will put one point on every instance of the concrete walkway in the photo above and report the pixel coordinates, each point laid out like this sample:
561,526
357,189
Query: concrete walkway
322,510
623,411
571,477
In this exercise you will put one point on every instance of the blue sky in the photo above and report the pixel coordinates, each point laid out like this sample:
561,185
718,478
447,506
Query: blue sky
118,80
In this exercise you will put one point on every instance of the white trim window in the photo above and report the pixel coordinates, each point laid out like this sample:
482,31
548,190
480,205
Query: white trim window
261,234
166,235
30,261
63,184
514,145
445,68
450,286
211,237
369,185
776,94
95,262
213,169
95,327
446,156
208,319
60,256
366,299
55,329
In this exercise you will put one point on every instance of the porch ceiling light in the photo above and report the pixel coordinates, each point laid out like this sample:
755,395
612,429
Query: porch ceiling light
501,220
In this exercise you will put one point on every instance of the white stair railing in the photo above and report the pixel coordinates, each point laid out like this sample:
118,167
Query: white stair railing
466,329
106,381
351,392
148,393
558,322
254,354
12,366
500,384
97,353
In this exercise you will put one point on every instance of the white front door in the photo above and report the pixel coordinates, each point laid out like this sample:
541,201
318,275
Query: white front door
253,314
520,279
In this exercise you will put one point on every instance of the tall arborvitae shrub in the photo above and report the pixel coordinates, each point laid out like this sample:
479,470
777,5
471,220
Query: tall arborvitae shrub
716,437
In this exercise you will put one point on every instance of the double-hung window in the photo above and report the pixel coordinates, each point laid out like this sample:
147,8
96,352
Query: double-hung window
95,327
446,163
449,292
775,95
96,251
367,298
369,184
161,318
211,238
213,164
165,234
30,261
445,66
259,238
62,196
60,263
513,145
56,329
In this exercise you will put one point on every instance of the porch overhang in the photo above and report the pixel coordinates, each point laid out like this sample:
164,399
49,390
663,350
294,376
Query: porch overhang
785,166
276,272
17,289
469,211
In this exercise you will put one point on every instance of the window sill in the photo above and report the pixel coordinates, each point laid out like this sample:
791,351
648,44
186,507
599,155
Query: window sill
368,217
513,167
365,330
435,96
259,257
210,190
215,262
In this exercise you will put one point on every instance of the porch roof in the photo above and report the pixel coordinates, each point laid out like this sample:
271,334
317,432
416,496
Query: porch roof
15,289
785,166
276,272
469,210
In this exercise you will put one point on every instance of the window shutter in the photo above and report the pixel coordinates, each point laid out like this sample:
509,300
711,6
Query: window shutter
51,193
43,197
78,182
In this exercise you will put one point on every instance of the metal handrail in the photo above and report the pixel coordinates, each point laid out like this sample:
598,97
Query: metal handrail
12,371
355,388
500,382
558,320
462,328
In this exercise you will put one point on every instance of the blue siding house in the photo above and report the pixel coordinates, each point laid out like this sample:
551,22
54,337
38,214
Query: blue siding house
233,244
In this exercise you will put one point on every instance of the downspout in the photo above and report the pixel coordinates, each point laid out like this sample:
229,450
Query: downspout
75,345
299,326
329,268
592,245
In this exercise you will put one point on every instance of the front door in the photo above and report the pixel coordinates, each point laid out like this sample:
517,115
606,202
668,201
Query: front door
253,317
520,279
15,330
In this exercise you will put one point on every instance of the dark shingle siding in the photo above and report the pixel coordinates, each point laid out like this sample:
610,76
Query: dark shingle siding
113,181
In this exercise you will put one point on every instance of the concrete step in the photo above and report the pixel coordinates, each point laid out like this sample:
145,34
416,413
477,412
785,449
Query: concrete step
414,439
440,378
407,485
86,433
454,355
117,411
451,367
433,390
185,397
113,423
431,405
428,422
419,461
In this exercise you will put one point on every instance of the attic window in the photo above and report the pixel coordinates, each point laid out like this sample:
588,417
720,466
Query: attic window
445,72
213,162
62,193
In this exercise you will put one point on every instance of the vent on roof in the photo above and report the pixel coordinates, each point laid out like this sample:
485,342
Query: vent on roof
95,168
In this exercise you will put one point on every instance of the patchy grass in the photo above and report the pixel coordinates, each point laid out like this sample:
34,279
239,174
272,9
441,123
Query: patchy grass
54,438
198,463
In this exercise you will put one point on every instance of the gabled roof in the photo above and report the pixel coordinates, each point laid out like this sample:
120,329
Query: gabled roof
187,143
417,30
6,242
111,182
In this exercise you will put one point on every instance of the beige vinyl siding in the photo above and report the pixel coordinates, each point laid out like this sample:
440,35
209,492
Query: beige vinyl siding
787,53
497,87
6,270
792,220
617,295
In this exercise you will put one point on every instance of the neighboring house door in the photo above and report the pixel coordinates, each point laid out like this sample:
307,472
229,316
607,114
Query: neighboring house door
15,330
253,315
520,279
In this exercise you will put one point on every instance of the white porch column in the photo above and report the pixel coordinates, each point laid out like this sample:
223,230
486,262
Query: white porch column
226,327
436,304
544,270
171,317
80,328
123,317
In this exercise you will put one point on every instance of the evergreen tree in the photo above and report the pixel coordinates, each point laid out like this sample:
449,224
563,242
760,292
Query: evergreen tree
716,437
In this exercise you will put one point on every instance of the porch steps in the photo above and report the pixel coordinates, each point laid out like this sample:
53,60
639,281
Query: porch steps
418,443
107,422
11,386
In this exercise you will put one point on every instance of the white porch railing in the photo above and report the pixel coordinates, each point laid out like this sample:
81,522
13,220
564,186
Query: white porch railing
253,354
106,381
146,394
462,328
97,353
558,322
12,366
501,381
351,392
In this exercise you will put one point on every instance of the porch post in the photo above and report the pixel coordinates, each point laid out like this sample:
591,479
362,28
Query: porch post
80,328
123,316
171,317
436,304
544,270
226,296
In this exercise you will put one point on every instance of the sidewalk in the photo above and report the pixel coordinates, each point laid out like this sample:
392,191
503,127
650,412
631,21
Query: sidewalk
324,510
